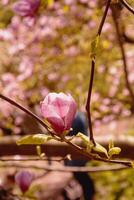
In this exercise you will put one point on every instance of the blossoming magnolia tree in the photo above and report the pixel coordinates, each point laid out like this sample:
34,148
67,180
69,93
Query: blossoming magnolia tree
59,110
39,38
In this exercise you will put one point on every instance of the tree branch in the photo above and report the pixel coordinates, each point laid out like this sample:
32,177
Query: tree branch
127,39
120,41
127,6
92,76
67,169
26,111
78,149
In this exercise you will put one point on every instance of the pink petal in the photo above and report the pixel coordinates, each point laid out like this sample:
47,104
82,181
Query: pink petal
57,124
61,107
61,104
52,117
70,115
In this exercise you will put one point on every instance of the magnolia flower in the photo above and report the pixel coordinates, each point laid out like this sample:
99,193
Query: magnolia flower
24,180
26,8
59,110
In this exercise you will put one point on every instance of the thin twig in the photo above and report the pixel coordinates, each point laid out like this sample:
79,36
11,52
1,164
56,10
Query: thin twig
119,37
127,6
74,146
31,159
96,157
25,110
88,106
127,39
66,168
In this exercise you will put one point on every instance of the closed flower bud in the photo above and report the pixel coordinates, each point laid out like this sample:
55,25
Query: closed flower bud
26,8
59,110
24,179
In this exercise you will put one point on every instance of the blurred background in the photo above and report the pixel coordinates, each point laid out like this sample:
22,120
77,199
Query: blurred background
49,51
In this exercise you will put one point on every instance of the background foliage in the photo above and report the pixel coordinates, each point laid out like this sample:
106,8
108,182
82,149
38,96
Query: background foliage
51,52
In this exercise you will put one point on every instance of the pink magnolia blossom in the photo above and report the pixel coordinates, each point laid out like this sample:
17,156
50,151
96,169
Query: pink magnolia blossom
24,180
59,110
26,8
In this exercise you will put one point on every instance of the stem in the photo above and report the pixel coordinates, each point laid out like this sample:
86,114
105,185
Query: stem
125,66
67,169
92,76
89,102
127,6
104,17
74,146
127,39
95,157
30,159
24,110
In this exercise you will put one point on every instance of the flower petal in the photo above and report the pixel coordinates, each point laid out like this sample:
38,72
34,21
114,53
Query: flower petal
70,115
52,117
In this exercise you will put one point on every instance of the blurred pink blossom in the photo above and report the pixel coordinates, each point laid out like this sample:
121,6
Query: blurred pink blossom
107,27
13,90
92,24
101,69
106,101
107,118
112,125
44,91
95,96
24,179
5,2
91,3
131,77
6,35
126,113
53,76
25,69
69,2
26,8
83,1
104,108
71,51
113,70
59,110
5,108
116,108
7,78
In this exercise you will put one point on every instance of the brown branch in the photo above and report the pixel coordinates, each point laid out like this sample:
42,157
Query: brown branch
127,39
26,111
53,148
32,159
74,146
127,6
104,17
67,169
89,102
120,41
92,76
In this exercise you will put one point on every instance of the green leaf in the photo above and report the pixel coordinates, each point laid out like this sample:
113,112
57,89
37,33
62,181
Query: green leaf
84,138
100,149
39,153
38,149
85,141
114,151
32,191
94,46
37,139
132,164
111,144
89,146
